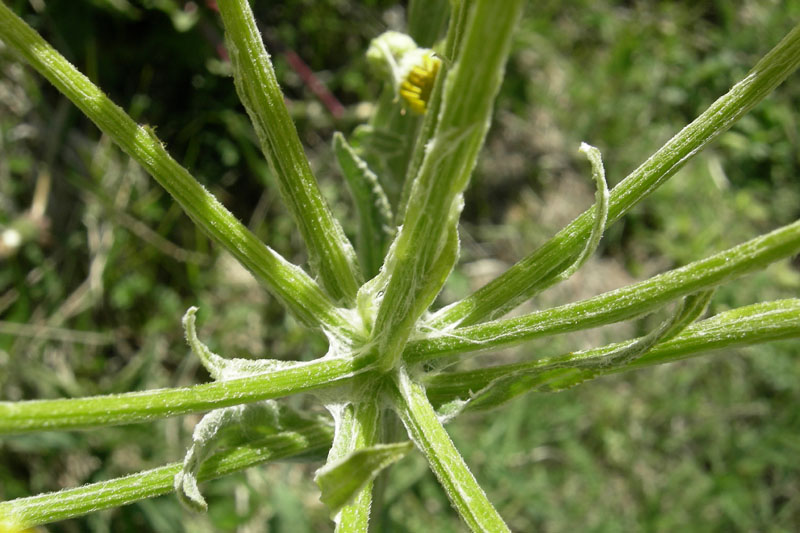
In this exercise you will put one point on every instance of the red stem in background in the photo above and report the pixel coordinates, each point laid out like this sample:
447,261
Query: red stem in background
302,69
313,82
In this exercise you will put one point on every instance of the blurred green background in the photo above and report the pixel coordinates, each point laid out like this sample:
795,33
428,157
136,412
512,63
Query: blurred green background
91,297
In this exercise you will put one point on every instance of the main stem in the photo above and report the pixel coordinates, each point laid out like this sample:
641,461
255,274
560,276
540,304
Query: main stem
435,201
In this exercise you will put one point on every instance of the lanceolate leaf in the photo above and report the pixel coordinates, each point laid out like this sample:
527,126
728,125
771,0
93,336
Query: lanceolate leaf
375,220
493,386
341,481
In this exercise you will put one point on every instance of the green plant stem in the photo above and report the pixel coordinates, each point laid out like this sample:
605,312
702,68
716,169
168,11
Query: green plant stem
534,272
752,324
455,31
16,515
286,281
428,433
614,306
94,411
470,88
388,141
359,427
330,253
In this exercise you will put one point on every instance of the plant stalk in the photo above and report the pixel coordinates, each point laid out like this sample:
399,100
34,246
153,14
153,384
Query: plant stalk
533,273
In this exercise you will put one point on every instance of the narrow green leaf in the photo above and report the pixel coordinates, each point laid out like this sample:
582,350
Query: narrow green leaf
341,481
226,427
386,142
375,220
600,210
15,515
330,253
753,324
222,368
688,310
694,306
614,306
357,426
532,274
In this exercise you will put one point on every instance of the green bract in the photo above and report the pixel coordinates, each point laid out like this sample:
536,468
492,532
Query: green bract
388,348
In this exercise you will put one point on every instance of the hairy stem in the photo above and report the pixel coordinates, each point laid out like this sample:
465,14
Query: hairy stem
614,306
330,253
288,282
470,88
22,513
534,272
752,324
431,438
94,411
